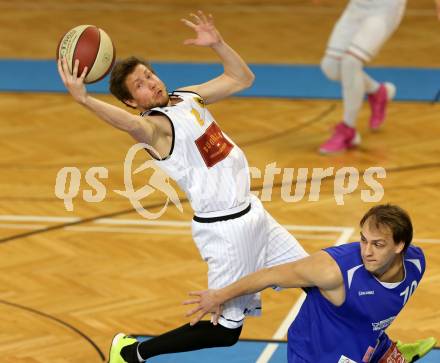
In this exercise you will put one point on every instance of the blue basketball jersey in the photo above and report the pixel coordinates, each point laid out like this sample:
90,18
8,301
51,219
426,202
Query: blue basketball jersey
354,331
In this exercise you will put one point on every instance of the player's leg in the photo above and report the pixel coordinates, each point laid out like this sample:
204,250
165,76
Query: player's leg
332,65
354,89
342,35
226,247
232,249
338,43
282,246
388,15
126,349
354,85
375,25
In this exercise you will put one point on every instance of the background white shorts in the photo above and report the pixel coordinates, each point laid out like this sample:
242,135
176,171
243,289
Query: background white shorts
364,27
240,246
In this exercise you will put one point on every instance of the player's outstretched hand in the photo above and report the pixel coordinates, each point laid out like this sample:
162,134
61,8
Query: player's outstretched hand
207,302
73,82
207,34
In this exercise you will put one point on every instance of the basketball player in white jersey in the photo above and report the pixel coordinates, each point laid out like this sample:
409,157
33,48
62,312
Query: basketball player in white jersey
357,37
231,229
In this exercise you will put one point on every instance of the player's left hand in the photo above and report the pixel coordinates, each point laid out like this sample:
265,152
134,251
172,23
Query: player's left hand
208,302
207,34
74,82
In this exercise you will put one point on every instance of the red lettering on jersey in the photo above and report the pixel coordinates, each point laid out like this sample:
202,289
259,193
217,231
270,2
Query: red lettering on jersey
392,355
368,354
213,146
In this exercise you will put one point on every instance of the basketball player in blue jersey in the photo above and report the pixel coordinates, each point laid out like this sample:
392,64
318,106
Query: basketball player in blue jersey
231,229
354,292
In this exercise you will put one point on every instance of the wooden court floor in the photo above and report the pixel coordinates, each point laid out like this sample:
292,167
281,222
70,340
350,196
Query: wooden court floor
99,268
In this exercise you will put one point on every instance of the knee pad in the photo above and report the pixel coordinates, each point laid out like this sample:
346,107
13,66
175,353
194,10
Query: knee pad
331,67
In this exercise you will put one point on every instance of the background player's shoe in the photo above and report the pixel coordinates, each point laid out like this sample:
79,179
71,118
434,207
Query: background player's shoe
378,104
119,341
413,351
343,138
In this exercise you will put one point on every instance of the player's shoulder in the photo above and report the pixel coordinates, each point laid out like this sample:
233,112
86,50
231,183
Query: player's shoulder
185,91
346,255
414,251
347,249
415,257
188,94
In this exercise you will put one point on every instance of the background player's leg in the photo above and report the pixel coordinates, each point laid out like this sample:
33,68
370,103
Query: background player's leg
353,87
366,42
374,32
331,67
353,92
371,85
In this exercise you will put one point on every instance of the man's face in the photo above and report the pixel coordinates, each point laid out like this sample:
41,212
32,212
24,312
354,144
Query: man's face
147,90
378,249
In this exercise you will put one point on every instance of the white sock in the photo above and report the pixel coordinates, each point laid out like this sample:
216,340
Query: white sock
371,85
353,88
138,355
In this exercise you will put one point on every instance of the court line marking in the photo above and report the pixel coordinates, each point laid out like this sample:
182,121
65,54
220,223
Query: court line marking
140,222
426,240
161,223
142,230
30,218
21,226
171,223
281,332
175,232
128,230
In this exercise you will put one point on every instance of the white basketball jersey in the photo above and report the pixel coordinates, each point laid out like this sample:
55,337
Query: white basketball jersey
209,167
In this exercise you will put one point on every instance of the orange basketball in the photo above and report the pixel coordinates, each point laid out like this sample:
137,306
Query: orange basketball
92,47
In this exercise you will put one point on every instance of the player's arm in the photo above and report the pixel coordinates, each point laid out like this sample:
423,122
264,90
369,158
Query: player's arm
142,129
236,74
319,269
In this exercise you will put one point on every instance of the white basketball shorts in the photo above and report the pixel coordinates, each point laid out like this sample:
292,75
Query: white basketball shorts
364,27
236,247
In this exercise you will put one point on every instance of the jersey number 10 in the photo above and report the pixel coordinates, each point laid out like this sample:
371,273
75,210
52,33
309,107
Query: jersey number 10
408,291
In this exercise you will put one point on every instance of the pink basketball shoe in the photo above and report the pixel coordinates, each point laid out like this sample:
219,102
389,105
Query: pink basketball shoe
378,104
343,138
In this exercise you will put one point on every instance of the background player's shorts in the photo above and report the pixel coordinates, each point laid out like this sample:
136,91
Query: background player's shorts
364,27
238,247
